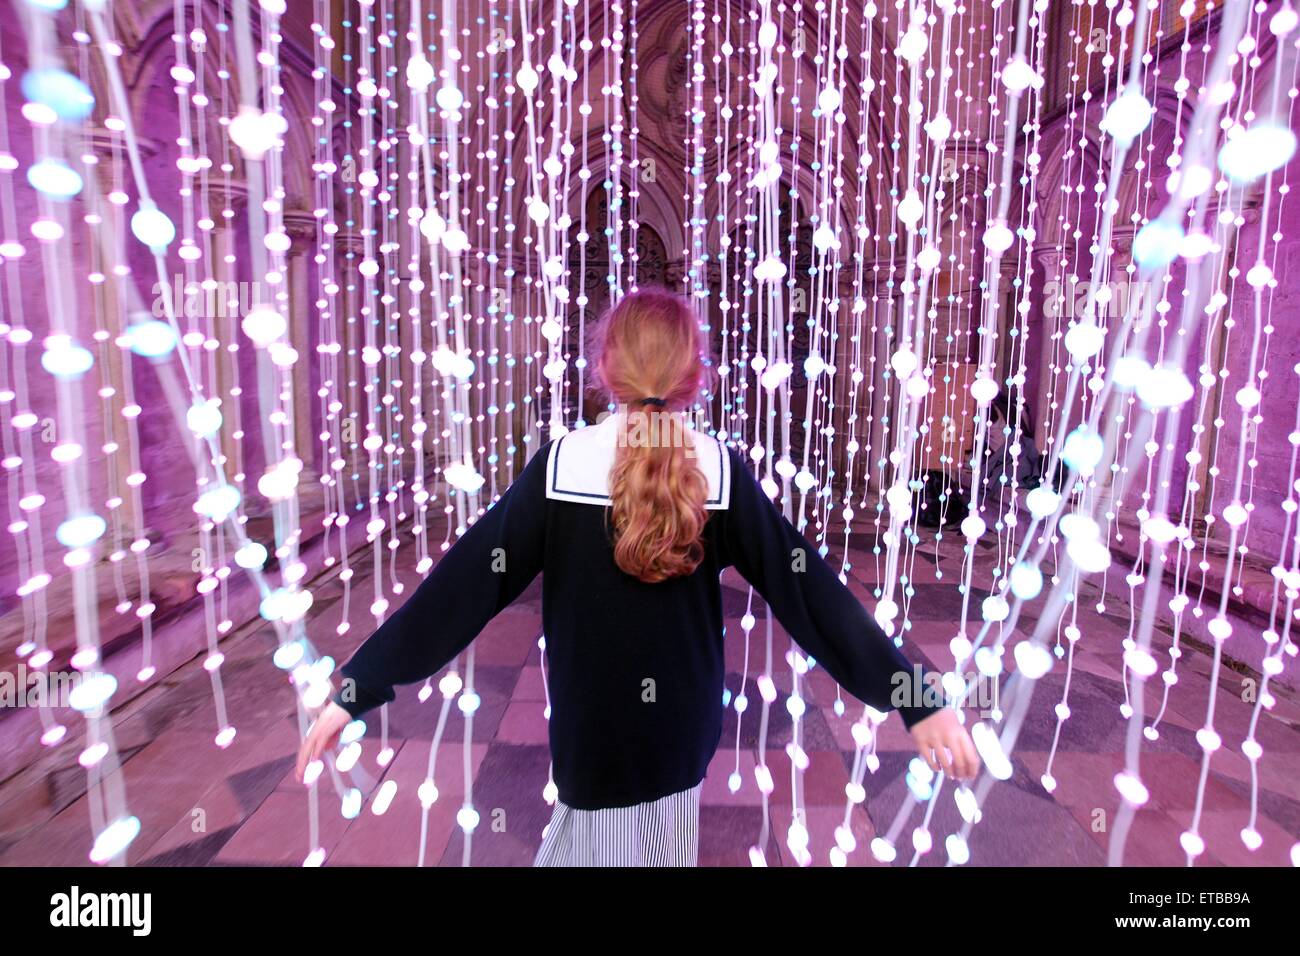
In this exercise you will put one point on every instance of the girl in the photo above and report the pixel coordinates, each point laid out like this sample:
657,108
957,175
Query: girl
632,520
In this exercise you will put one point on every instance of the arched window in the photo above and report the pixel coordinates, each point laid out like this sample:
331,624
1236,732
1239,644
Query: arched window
638,256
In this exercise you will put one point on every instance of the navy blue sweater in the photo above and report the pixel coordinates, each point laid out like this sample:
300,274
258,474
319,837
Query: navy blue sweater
635,670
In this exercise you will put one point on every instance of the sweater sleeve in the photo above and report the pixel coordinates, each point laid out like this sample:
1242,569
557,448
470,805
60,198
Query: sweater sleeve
817,610
480,574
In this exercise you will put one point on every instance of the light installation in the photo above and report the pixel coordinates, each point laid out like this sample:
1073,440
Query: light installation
856,201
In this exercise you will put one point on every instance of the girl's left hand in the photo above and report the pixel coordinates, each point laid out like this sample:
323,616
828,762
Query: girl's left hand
323,735
946,746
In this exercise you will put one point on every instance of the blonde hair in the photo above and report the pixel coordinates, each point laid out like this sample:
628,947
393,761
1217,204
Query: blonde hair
650,346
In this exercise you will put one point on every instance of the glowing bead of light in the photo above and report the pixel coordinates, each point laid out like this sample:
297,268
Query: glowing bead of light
995,608
928,259
899,497
828,100
1165,387
1088,555
280,481
990,750
251,556
54,178
419,72
467,819
152,227
204,418
60,92
910,210
886,611
1042,502
1283,22
432,226
1084,340
1192,843
1235,515
845,840
824,239
1140,662
771,269
922,840
1019,76
814,365
289,655
256,133
1026,581
92,692
973,526
462,475
1157,244
1127,116
114,839
883,850
1256,151
775,374
1260,276
66,360
797,838
218,503
1132,789
450,98
81,531
939,128
967,804
456,241
1032,659
984,390
384,798
351,806
1083,450
912,44
904,362
93,755
264,325
998,237
450,685
958,851
151,339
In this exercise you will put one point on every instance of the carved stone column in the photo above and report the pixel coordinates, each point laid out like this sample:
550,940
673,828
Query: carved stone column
1044,325
227,201
301,227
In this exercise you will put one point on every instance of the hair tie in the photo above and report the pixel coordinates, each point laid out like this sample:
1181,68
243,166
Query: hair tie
653,400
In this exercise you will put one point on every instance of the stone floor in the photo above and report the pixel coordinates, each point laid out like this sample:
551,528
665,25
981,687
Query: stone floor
202,805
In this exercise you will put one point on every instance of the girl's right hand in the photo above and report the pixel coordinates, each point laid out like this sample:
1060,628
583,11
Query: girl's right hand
323,735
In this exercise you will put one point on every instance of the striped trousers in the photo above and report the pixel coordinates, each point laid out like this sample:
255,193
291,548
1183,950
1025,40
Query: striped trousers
663,832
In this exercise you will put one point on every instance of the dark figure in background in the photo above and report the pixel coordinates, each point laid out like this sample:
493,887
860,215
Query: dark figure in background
1001,467
942,502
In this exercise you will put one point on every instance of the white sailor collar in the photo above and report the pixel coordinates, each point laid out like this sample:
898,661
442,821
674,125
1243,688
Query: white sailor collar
578,467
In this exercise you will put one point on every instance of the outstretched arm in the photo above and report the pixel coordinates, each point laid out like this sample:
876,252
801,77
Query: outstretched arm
486,569
824,618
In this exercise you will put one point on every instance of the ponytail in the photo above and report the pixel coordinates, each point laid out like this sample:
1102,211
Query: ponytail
658,495
651,358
